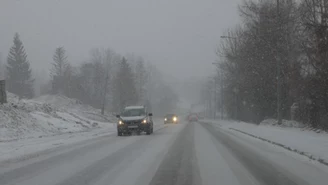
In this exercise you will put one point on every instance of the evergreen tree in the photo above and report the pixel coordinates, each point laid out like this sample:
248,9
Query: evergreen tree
58,69
141,78
20,80
124,87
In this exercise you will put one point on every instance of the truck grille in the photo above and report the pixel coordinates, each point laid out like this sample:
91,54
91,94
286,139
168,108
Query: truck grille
132,122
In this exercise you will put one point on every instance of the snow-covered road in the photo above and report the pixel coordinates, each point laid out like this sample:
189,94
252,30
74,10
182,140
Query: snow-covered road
182,154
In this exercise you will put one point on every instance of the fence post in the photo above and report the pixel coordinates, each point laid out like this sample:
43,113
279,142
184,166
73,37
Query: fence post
3,95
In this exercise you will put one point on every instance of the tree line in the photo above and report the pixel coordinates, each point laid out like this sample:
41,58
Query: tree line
277,58
107,80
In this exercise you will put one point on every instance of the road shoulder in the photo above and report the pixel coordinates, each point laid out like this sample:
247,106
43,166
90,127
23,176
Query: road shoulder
269,163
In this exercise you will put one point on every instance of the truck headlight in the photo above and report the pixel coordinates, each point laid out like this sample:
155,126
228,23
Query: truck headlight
120,122
144,121
175,119
165,119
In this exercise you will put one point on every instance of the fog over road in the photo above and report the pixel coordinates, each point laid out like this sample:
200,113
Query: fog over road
182,154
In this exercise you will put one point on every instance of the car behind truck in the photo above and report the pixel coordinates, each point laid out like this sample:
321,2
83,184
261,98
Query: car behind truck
170,118
134,119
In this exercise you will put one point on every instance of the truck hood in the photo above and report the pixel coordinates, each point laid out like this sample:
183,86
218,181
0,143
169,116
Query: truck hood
133,118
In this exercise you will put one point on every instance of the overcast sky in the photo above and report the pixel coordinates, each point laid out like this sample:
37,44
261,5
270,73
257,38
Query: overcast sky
178,36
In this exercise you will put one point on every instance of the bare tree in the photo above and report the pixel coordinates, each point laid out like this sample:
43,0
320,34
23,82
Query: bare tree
68,78
3,95
2,69
249,56
314,19
109,57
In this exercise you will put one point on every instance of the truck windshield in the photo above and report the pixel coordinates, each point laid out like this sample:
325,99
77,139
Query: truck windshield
133,112
170,115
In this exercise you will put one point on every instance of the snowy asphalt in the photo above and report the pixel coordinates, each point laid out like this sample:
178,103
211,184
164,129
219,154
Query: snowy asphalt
181,154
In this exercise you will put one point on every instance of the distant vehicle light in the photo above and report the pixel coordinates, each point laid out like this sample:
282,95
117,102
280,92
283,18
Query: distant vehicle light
175,119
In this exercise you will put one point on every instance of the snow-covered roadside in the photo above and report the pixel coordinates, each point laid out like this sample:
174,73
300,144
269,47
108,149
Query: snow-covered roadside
30,147
305,142
31,127
28,127
46,116
27,148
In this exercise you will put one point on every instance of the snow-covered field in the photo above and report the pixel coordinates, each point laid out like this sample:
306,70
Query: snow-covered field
291,135
48,115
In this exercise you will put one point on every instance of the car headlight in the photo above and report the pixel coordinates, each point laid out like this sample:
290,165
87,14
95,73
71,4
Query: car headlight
175,118
144,121
120,122
165,119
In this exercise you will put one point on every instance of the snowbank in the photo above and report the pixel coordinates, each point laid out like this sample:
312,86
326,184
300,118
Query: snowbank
47,115
76,106
295,137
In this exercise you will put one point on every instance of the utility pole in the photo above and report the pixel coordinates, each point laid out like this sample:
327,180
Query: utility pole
215,96
221,94
104,95
210,108
278,67
219,79
103,106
